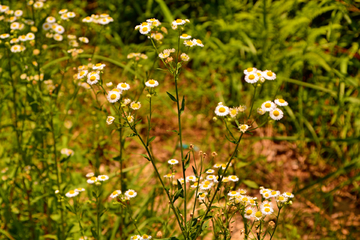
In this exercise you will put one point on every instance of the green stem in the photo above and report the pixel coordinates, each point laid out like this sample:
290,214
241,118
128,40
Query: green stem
252,102
218,186
277,223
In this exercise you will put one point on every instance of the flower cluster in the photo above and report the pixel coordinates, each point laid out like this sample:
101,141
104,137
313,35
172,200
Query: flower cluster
75,192
67,152
137,56
102,19
92,179
126,196
253,75
146,27
138,237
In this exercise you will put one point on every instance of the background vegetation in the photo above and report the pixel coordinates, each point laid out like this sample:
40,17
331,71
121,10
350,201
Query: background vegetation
312,46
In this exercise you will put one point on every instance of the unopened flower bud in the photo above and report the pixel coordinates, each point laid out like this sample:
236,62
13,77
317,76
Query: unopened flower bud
214,119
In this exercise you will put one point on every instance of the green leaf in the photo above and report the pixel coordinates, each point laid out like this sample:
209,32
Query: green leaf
151,139
165,10
182,104
145,156
103,211
250,183
94,233
70,209
171,96
179,192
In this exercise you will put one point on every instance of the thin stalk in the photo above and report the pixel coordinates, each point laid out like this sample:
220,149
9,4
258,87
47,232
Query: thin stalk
277,223
151,159
218,185
252,103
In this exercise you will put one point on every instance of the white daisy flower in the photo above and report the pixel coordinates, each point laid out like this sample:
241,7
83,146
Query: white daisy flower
113,96
189,43
178,22
241,108
233,194
157,36
210,171
127,101
281,102
258,215
130,118
252,78
145,237
130,193
266,204
115,193
288,195
103,178
269,75
205,187
135,106
233,178
67,152
59,29
202,196
222,110
50,19
251,70
4,8
261,111
23,38
15,25
152,83
4,35
82,73
198,42
275,193
123,86
181,180
210,177
90,174
184,57
145,29
185,36
87,19
110,120
30,36
268,106
154,22
173,161
260,74
242,191
135,237
93,78
266,195
71,14
80,190
281,199
84,39
109,84
191,178
243,127
276,114
267,210
38,5
169,175
103,21
62,11
99,66
71,193
92,180
249,212
18,13
233,112
194,186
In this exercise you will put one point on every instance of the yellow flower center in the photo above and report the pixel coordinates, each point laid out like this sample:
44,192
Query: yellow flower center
123,85
267,209
15,48
116,90
71,191
266,194
281,100
92,78
233,192
173,161
145,236
178,21
223,165
249,212
251,77
151,82
276,113
222,109
202,195
113,96
233,112
131,193
206,186
135,105
145,29
199,41
269,74
103,177
245,199
82,73
243,127
93,178
115,192
80,189
267,105
88,18
189,43
98,64
242,192
184,35
289,194
258,214
273,192
250,69
281,198
266,205
207,182
233,177
144,24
